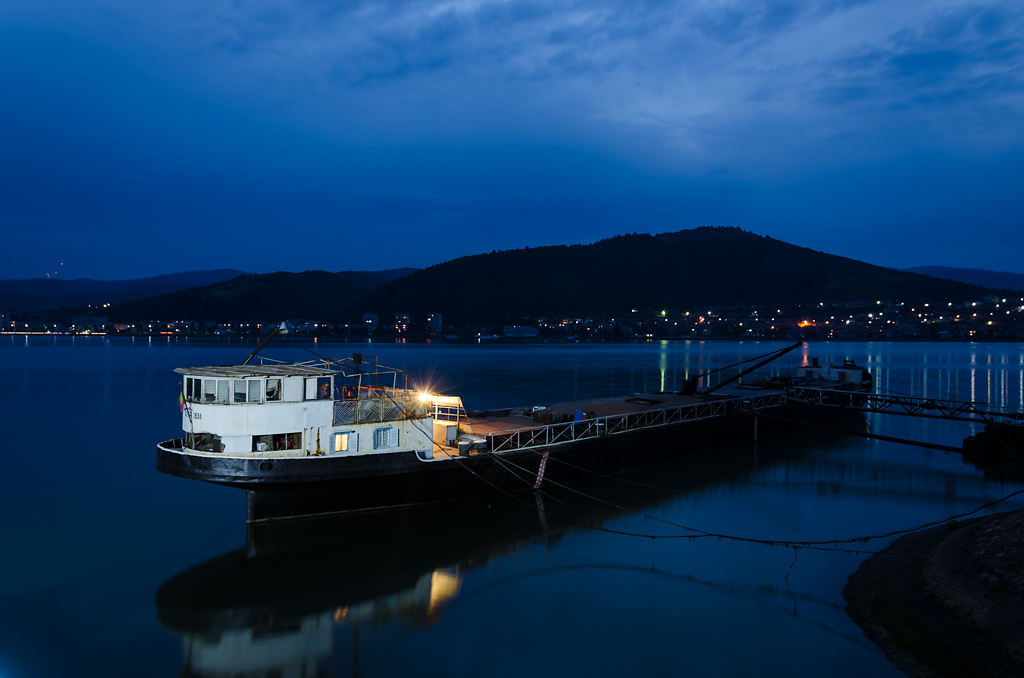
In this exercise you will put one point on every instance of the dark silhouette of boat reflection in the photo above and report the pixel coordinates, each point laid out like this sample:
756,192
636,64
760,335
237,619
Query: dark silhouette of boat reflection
275,603
272,607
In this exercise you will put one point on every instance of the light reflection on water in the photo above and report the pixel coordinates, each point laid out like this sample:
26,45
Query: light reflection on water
98,531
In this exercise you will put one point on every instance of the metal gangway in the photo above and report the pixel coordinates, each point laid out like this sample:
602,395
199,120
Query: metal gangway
567,432
914,406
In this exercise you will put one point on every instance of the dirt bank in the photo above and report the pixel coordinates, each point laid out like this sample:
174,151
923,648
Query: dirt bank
947,601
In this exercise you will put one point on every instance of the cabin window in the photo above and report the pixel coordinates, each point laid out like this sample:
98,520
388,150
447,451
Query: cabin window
385,437
254,390
273,389
241,392
277,442
343,442
207,442
222,391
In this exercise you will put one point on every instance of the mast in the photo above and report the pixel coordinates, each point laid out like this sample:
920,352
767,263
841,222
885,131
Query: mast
280,329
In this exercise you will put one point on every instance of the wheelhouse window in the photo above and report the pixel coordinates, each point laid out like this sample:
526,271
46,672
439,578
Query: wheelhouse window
277,442
193,389
216,390
318,388
247,391
273,390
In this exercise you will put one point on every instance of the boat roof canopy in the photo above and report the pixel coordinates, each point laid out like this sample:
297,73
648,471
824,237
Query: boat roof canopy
241,371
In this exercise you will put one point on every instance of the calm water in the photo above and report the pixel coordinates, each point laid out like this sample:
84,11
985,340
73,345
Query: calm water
497,587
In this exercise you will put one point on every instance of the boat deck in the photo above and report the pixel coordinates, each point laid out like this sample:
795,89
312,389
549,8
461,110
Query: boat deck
483,425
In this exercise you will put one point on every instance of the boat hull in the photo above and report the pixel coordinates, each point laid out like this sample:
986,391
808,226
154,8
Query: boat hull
292,487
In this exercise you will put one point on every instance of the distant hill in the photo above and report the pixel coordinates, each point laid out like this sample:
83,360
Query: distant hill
49,293
267,296
975,276
676,271
685,270
391,273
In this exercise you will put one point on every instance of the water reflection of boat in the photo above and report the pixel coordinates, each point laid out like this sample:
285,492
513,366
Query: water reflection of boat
406,544
302,644
276,602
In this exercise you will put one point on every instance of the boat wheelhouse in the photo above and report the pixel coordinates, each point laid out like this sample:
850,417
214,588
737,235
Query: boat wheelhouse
276,410
279,427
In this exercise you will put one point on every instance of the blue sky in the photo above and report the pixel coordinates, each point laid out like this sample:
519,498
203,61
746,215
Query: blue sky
144,138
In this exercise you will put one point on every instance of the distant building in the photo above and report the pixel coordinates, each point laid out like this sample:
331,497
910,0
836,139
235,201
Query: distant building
520,331
5,320
370,322
435,323
89,323
401,323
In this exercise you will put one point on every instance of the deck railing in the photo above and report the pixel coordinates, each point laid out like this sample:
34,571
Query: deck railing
557,434
960,410
386,407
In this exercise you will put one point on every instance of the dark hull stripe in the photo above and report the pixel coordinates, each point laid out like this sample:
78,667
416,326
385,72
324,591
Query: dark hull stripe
280,488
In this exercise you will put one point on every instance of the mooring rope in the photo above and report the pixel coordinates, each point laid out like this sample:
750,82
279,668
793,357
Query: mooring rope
803,543
695,533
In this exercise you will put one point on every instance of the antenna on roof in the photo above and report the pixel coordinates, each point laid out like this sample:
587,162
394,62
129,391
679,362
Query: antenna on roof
280,329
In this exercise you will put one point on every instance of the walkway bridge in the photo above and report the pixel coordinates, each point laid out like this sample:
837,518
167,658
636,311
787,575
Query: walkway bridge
932,408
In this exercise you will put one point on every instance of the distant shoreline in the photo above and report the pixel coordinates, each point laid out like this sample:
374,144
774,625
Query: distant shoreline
508,341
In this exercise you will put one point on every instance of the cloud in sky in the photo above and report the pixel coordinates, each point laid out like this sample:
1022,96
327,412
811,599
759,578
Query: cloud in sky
872,129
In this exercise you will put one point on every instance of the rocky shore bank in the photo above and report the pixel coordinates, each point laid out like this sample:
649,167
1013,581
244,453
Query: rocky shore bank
948,601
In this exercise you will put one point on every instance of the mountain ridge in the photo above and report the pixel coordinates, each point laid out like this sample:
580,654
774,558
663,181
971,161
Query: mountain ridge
998,280
712,266
40,294
43,294
610,278
309,294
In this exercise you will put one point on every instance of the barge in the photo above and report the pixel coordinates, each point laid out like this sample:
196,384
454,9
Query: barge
328,436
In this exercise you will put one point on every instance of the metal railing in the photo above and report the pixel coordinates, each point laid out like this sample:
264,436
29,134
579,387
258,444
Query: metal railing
448,409
557,434
960,410
386,407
